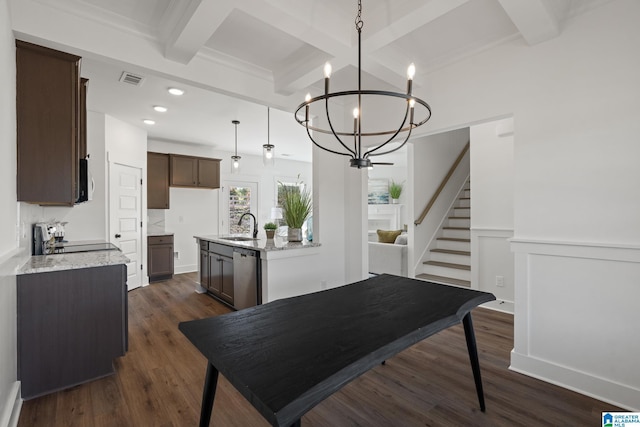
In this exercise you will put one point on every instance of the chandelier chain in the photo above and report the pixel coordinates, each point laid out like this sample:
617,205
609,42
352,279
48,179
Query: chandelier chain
359,23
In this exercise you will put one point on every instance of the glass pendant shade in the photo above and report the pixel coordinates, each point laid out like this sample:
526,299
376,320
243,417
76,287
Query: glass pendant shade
268,149
235,164
268,154
235,159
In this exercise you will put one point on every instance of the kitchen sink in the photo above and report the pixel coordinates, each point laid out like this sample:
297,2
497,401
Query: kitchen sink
238,238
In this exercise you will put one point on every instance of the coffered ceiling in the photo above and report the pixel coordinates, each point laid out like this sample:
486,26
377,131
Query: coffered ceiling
234,57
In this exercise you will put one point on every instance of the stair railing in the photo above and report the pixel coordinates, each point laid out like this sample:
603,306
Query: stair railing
442,185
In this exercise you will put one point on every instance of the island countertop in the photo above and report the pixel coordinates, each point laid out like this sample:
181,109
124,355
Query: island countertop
266,246
71,261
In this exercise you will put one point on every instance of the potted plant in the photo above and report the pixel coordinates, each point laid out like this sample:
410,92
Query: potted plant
395,189
270,228
296,208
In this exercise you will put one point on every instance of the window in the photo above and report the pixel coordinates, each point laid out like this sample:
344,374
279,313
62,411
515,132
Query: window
239,203
238,198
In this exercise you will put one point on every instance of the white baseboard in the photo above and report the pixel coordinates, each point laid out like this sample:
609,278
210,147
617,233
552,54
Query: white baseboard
180,269
10,412
598,388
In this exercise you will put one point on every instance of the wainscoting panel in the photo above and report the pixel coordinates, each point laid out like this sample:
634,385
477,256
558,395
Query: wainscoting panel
492,259
576,317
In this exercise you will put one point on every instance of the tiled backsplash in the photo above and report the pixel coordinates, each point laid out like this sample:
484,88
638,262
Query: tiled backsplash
155,221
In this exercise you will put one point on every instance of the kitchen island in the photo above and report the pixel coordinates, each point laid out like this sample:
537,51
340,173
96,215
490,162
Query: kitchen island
280,266
72,319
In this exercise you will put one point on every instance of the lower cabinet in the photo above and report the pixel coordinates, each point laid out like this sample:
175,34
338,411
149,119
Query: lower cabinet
160,256
72,324
216,270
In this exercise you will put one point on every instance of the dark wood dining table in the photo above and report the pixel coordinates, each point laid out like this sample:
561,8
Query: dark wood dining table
288,355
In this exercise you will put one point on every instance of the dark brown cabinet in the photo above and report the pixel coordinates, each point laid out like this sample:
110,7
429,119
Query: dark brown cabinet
72,324
208,173
48,108
160,255
190,171
216,270
157,181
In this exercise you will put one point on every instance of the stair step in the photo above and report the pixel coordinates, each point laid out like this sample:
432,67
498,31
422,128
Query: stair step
452,252
448,265
444,280
464,198
456,228
459,217
453,239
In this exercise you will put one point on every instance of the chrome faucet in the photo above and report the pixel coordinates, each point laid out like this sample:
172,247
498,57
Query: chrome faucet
255,223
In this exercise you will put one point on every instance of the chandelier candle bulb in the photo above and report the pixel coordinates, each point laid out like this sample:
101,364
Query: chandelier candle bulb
411,71
327,70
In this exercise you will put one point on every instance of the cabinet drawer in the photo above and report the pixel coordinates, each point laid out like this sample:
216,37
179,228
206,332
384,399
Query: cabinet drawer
157,240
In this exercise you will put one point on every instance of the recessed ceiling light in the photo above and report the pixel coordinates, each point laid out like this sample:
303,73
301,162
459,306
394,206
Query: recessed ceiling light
285,155
149,122
175,91
160,108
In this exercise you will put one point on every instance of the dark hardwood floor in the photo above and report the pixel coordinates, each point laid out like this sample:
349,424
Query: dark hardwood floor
159,381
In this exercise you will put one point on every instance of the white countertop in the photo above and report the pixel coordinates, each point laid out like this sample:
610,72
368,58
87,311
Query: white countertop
71,261
263,245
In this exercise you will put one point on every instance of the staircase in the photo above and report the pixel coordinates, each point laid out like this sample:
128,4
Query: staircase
450,261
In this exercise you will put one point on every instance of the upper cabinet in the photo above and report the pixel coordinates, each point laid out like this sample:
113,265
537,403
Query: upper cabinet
50,131
157,181
190,171
208,173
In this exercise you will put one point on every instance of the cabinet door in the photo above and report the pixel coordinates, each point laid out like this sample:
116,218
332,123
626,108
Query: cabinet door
209,173
204,269
215,273
160,260
47,97
226,293
82,119
157,181
184,171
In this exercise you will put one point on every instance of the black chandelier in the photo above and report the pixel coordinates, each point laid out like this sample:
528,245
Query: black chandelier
360,157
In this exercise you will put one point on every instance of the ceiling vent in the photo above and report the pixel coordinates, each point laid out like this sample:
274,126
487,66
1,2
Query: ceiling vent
132,79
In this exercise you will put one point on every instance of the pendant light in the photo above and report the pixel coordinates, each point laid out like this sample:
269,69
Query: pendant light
268,149
361,144
235,159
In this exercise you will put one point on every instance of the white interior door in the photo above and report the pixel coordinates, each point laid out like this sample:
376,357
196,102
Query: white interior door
125,217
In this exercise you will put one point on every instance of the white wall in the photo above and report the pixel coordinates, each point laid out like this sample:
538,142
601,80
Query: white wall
574,100
492,174
432,157
9,386
197,211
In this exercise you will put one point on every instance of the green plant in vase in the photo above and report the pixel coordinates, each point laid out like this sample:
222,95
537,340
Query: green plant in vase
296,208
395,190
270,228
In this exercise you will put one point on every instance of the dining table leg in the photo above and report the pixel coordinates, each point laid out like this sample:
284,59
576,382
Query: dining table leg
208,394
473,357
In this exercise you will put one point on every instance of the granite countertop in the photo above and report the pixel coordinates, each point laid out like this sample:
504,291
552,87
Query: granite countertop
158,233
264,245
71,261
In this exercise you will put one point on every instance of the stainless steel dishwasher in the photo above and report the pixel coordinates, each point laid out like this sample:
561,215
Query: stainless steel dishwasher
246,278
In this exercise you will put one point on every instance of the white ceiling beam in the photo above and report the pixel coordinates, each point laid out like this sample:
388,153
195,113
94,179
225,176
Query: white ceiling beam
199,22
298,75
537,20
408,23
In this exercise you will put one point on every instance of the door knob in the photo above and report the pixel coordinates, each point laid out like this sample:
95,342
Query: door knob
117,236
